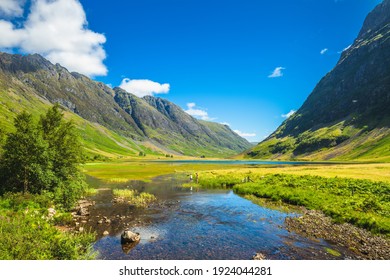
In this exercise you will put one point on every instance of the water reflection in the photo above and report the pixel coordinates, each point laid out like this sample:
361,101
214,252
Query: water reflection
204,224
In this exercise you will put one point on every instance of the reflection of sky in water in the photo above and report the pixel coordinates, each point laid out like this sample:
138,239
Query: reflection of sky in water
213,224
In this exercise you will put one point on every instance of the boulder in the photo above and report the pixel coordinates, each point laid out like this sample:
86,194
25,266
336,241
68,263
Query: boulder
130,237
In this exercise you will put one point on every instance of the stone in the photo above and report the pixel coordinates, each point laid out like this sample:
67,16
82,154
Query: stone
106,233
130,237
83,212
81,229
259,256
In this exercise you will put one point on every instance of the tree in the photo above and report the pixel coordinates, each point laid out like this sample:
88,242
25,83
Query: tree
64,148
25,164
65,153
43,157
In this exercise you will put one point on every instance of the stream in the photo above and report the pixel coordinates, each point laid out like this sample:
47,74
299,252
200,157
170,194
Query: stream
195,224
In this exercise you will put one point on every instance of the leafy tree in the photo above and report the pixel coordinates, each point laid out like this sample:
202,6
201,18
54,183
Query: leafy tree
43,157
25,164
64,147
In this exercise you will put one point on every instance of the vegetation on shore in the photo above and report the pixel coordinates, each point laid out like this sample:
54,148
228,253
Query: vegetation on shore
30,230
364,203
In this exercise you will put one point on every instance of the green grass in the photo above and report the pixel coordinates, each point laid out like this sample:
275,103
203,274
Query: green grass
28,233
123,171
363,203
135,198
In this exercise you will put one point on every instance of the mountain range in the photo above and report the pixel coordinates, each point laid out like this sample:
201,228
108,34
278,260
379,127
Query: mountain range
111,122
347,115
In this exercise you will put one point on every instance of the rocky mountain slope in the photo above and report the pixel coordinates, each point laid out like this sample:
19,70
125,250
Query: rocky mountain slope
130,123
347,115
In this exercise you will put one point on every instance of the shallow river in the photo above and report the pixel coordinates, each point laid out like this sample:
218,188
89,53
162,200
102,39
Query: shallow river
196,224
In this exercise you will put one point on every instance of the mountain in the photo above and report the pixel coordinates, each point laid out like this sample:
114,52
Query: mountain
347,115
112,122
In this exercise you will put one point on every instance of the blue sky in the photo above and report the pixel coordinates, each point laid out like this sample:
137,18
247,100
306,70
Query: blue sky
247,63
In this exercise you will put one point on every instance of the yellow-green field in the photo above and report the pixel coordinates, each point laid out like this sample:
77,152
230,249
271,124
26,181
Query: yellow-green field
122,171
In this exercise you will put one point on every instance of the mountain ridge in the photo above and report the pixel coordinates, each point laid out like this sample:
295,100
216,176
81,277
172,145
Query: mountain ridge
137,119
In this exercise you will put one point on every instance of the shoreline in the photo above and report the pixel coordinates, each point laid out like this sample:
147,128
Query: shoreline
363,244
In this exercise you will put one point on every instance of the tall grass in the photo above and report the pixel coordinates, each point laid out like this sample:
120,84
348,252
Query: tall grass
134,197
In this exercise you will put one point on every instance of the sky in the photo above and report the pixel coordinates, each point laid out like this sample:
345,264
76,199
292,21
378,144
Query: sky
249,64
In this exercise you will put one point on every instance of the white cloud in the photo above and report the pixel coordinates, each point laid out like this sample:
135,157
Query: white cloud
277,72
244,134
289,114
57,29
142,88
197,113
345,49
11,7
323,51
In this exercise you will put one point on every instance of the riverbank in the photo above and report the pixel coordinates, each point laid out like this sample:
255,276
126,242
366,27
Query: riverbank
314,224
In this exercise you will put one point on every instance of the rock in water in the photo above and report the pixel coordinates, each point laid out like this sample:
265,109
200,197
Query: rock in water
259,256
130,237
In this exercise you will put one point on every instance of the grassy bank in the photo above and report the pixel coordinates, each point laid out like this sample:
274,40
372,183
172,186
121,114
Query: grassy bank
364,203
30,232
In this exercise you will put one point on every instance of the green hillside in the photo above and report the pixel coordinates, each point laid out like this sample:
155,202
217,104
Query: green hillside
112,122
347,115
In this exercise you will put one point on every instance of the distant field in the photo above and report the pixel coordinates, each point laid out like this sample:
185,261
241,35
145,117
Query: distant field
122,171
145,170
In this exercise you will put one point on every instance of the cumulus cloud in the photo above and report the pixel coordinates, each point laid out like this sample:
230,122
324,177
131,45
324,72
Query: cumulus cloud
277,72
289,114
11,7
142,88
244,134
323,51
197,113
58,30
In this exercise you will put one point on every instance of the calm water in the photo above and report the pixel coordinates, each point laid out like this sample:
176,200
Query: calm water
198,224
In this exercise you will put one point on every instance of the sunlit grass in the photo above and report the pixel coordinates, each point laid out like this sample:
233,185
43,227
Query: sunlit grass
134,197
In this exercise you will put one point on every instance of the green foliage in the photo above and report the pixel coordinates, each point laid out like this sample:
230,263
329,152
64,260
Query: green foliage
43,157
27,233
64,146
25,163
363,203
134,197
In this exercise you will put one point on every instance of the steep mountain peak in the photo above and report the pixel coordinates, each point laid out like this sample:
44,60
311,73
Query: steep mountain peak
349,103
376,19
